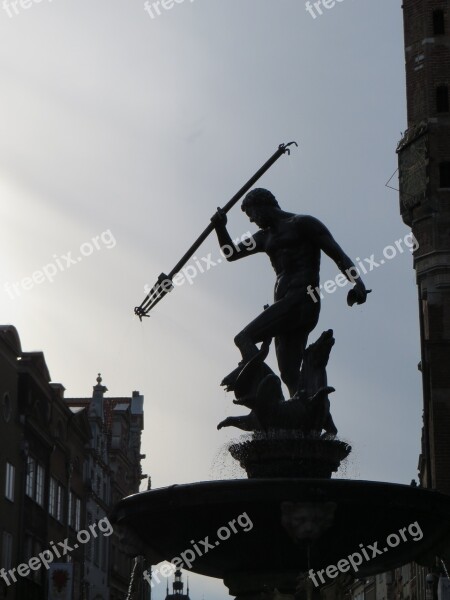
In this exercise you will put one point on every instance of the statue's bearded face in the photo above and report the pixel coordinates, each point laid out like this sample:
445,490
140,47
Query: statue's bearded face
259,215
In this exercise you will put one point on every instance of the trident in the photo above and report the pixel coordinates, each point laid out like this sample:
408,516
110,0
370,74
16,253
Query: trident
164,283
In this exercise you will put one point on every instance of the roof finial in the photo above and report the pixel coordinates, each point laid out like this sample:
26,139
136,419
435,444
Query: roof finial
99,389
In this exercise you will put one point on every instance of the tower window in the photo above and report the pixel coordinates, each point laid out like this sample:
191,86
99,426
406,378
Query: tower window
444,175
438,22
442,104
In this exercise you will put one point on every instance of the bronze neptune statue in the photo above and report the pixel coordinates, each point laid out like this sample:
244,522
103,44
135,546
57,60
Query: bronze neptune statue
294,244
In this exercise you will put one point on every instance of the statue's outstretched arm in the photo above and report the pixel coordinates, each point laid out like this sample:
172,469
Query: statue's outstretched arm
322,236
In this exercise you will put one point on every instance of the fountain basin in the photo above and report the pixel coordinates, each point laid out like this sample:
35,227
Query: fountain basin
297,525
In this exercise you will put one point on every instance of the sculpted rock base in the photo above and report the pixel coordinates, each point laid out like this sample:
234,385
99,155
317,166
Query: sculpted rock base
289,454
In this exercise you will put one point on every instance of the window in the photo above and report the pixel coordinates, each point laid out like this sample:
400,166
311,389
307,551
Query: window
444,175
59,504
442,99
70,510
74,512
77,514
35,482
7,544
52,497
31,473
438,22
40,484
6,407
56,500
88,545
9,482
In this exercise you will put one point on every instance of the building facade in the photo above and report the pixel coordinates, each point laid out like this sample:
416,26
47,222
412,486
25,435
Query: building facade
424,170
424,175
43,451
113,471
63,464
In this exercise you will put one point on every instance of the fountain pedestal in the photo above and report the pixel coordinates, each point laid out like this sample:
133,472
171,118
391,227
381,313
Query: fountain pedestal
290,454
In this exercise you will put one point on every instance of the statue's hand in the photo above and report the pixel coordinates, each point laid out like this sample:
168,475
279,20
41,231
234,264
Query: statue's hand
358,294
219,218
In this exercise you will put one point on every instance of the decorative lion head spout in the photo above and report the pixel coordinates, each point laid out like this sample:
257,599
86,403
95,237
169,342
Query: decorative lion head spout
307,520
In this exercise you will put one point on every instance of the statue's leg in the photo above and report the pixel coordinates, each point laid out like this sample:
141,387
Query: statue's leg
290,349
270,323
301,318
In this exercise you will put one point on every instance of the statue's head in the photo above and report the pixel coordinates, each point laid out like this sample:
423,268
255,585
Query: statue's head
259,205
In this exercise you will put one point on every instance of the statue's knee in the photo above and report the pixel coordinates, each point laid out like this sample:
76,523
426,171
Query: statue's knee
240,339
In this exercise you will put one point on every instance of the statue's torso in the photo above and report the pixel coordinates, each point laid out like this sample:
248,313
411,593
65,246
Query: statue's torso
294,254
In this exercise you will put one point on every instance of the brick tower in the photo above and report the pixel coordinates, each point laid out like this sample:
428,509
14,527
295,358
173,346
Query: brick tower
424,170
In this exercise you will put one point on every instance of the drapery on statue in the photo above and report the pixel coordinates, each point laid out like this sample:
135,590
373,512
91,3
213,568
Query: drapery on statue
293,244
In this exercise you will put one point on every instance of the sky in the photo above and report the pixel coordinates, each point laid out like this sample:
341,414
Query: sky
124,129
